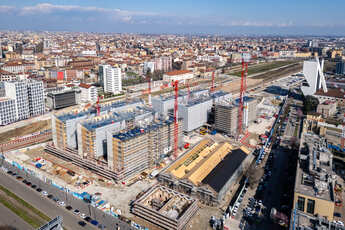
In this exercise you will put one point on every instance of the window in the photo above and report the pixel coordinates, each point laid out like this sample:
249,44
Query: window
310,206
300,203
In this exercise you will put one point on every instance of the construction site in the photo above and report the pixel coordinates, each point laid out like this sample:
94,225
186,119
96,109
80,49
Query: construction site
124,140
165,207
207,171
160,160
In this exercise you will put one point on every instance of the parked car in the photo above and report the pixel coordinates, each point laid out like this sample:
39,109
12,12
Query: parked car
44,193
61,203
82,223
337,214
77,212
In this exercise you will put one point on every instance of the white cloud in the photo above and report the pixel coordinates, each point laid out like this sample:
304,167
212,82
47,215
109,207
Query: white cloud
6,9
133,17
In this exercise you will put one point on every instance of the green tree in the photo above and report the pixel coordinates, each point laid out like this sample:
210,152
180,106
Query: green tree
310,104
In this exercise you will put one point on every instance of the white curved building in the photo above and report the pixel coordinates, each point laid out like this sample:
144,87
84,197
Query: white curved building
313,74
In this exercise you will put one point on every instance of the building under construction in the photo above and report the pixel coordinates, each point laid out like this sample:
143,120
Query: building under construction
208,171
194,112
64,125
125,139
193,109
165,207
164,105
92,132
141,148
226,115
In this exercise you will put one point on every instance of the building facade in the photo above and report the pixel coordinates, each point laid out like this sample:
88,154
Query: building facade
7,76
36,97
112,79
19,92
7,111
314,77
178,75
340,68
88,93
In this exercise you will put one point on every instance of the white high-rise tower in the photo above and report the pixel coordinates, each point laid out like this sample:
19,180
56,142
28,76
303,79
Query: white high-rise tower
313,74
112,79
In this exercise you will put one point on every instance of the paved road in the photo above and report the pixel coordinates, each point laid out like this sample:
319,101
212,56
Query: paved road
8,218
109,221
274,192
70,221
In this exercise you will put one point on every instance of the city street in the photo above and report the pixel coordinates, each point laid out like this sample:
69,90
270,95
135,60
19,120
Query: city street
8,218
51,208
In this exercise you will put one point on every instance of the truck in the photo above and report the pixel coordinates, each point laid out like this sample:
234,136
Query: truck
154,173
279,218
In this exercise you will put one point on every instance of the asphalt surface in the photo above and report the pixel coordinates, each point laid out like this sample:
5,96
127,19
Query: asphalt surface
46,206
275,187
51,209
8,218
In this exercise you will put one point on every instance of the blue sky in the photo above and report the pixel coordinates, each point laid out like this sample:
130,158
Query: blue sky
295,17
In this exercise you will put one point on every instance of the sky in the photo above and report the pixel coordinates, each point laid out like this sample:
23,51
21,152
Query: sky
224,17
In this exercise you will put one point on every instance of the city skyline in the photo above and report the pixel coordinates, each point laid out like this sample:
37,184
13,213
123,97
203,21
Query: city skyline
220,17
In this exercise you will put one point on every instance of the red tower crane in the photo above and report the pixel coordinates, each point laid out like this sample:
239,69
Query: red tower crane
342,141
98,107
149,90
242,92
212,86
188,88
175,85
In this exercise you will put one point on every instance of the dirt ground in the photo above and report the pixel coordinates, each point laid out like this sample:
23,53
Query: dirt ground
235,85
25,130
200,221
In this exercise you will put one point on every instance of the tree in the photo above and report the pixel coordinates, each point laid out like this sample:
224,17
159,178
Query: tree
310,104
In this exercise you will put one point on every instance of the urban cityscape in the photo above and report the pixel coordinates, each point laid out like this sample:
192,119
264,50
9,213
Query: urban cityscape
153,116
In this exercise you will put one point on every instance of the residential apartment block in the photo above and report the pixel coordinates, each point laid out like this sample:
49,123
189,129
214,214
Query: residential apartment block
27,97
112,81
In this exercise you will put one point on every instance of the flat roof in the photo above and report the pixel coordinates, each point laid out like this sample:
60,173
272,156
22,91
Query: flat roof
69,116
104,120
218,177
312,171
137,131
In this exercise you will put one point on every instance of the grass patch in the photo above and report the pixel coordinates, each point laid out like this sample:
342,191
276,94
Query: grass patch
265,67
24,215
34,222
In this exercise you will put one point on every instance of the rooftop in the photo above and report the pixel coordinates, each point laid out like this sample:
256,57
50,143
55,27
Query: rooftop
137,131
178,72
86,86
218,177
314,170
73,115
166,201
100,121
336,92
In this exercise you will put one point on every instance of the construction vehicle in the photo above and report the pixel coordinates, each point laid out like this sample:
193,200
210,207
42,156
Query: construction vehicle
202,131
